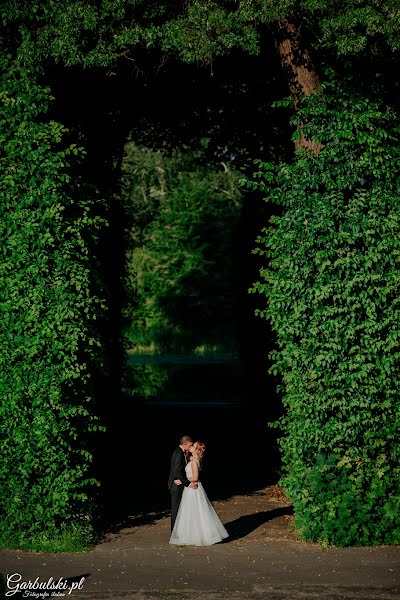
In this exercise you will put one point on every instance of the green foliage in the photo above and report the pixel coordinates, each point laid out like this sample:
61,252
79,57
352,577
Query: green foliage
99,33
181,221
47,337
207,30
348,27
332,284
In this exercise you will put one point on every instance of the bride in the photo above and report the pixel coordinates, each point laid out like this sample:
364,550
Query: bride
197,523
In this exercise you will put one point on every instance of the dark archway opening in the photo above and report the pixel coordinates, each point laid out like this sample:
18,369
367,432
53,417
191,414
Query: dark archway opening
176,107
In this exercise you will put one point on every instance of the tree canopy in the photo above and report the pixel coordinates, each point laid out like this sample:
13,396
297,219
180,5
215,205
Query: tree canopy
98,34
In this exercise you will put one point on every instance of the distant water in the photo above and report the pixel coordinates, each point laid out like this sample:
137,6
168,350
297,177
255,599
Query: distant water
173,379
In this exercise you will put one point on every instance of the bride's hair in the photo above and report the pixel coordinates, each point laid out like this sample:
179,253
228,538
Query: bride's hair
200,448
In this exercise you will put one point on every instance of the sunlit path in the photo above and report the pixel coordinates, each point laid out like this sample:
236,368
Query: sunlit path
262,558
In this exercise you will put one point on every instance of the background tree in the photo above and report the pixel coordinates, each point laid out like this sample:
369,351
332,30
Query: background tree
182,220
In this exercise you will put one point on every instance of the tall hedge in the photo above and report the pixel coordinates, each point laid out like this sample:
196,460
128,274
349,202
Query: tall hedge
48,341
332,287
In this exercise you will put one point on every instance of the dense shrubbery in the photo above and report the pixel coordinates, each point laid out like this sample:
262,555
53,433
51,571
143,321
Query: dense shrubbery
47,335
333,288
182,216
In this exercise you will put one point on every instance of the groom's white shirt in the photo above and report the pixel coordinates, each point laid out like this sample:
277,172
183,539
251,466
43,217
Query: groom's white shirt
184,453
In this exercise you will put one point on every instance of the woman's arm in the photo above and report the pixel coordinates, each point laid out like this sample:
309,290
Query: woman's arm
195,471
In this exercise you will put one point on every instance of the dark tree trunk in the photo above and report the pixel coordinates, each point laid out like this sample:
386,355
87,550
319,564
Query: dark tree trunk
300,72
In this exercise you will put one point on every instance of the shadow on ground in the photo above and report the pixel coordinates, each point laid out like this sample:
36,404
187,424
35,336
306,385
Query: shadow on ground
149,518
243,526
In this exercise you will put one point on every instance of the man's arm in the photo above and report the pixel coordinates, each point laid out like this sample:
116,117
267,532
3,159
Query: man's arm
180,470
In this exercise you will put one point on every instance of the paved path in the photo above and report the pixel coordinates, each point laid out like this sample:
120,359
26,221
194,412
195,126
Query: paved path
262,559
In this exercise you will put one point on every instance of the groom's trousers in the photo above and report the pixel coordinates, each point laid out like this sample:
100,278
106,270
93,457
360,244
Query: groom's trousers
176,496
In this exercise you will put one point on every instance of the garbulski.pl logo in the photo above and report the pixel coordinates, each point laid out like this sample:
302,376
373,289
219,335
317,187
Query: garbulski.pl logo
41,589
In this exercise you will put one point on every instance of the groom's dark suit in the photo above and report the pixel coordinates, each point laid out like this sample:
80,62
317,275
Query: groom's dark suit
177,471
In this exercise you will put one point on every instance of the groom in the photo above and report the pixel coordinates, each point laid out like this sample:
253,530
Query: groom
177,475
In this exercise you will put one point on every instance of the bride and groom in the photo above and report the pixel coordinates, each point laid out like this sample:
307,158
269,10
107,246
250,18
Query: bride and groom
193,518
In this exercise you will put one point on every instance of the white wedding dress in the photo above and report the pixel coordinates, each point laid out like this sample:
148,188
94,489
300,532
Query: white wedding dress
197,523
